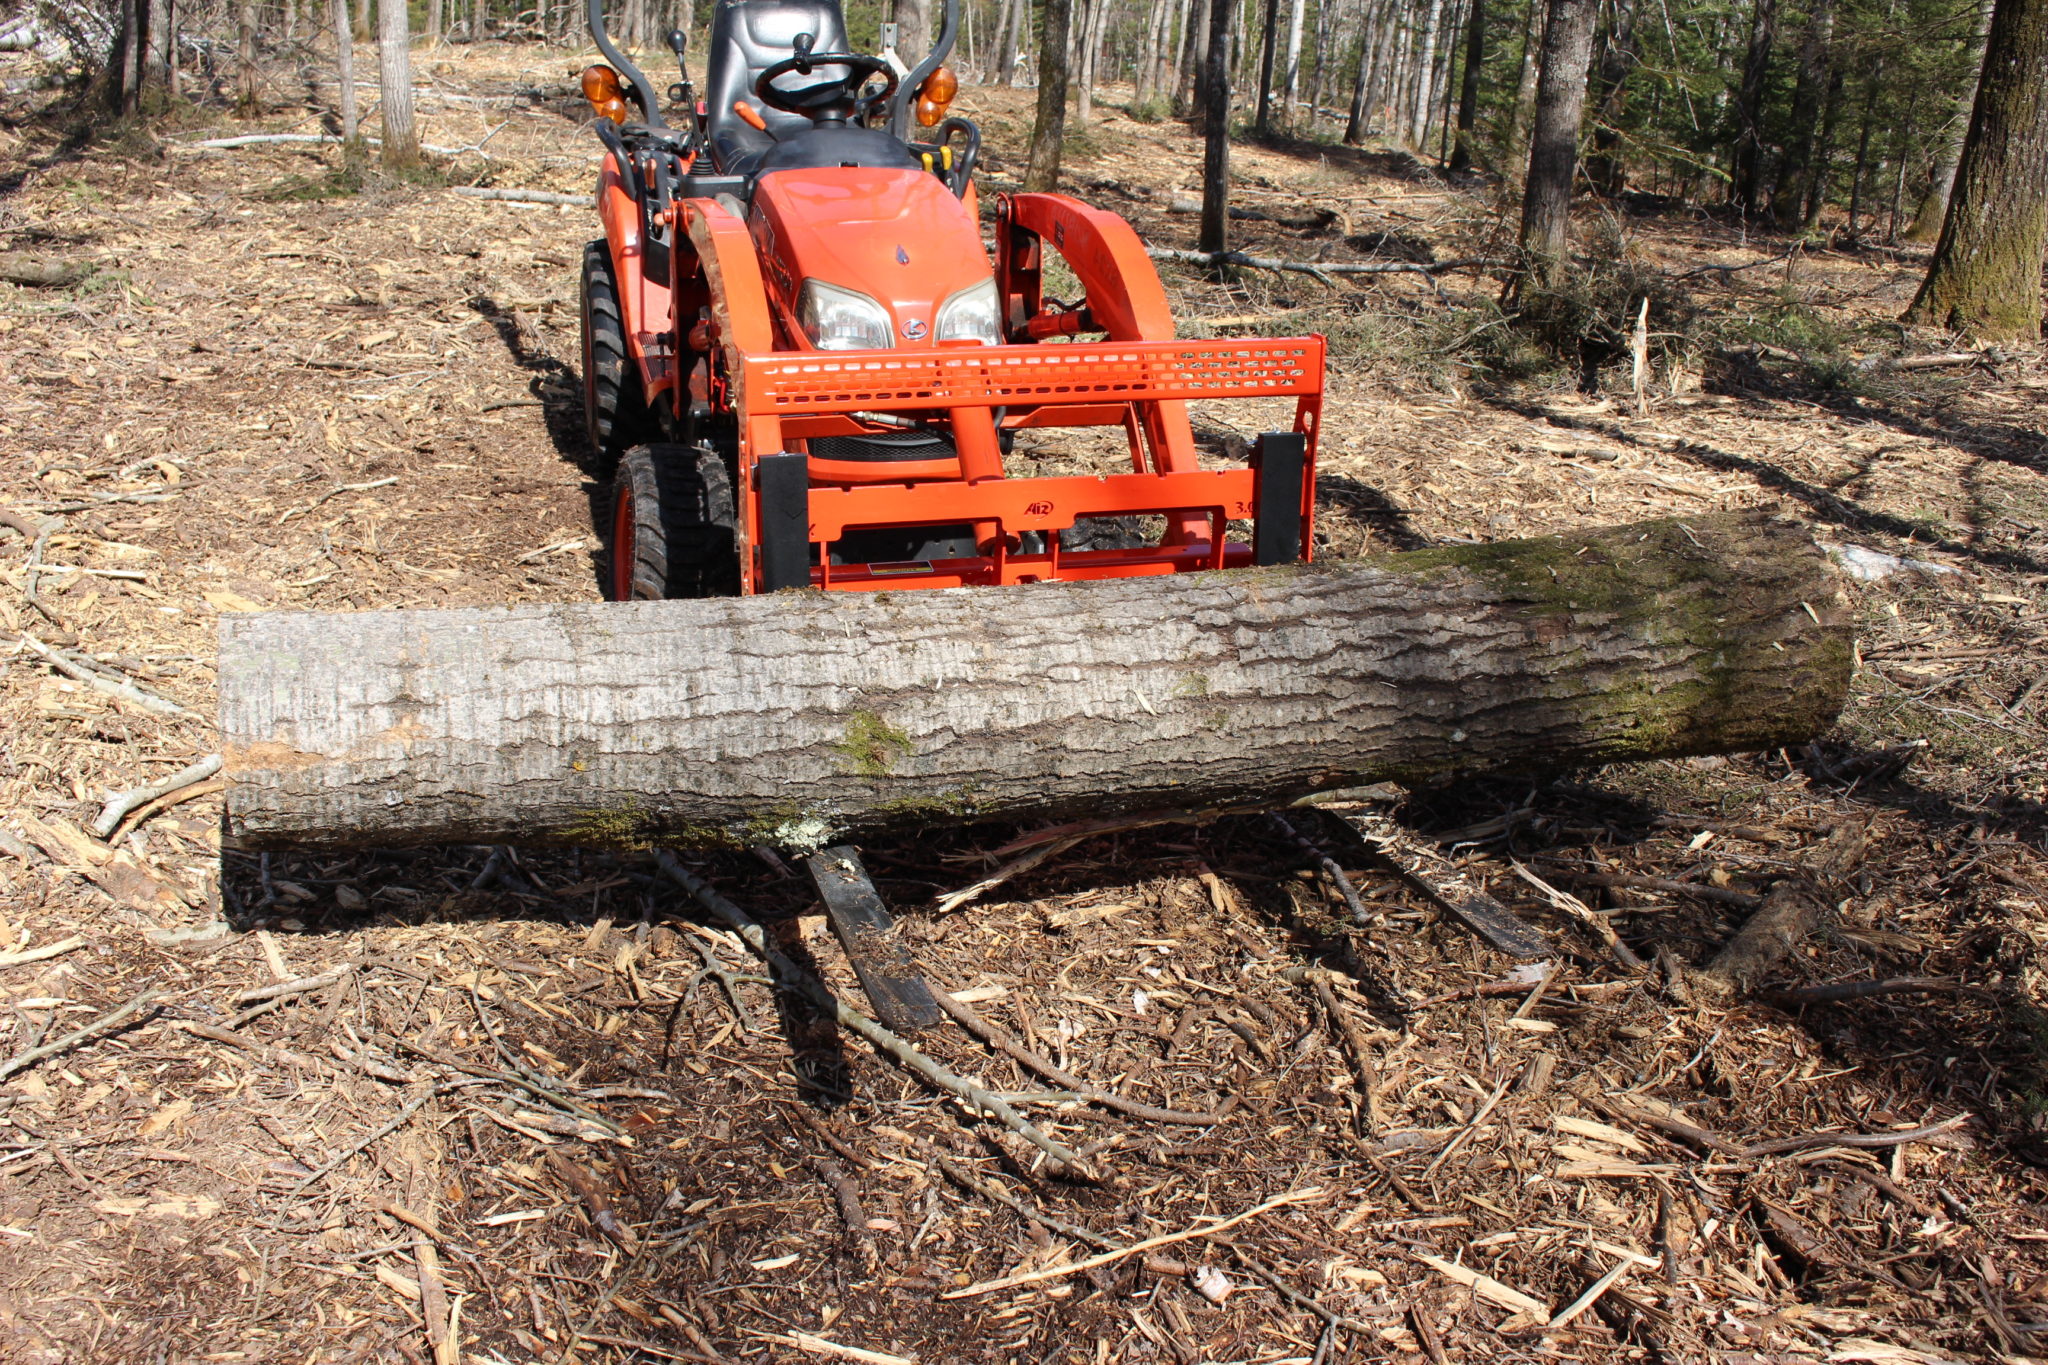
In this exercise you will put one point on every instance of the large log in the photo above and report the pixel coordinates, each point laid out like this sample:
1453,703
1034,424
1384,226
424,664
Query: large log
803,717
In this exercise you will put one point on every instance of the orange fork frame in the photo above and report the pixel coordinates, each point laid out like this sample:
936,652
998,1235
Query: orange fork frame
1139,379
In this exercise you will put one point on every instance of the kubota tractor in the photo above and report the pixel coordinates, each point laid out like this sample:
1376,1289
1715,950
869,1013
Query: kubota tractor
802,368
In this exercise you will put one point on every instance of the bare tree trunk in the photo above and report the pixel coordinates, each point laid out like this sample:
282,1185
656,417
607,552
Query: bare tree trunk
1097,13
1468,91
1554,142
127,72
1824,154
1747,165
434,23
1049,132
1617,63
1189,97
156,45
608,723
1354,127
913,30
1425,86
1215,233
363,28
246,85
345,68
1297,16
394,85
1014,38
1262,121
291,21
1934,204
1985,279
1525,81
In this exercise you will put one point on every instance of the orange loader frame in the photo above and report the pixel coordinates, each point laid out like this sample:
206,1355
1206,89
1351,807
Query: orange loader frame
744,363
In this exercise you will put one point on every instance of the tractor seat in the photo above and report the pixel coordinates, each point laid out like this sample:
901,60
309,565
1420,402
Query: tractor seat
748,37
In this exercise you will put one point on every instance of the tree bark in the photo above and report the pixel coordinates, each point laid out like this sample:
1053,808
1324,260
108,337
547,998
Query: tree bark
394,82
1985,279
913,30
1050,130
1468,89
1617,63
345,68
827,715
1354,127
246,85
1215,232
1554,141
1941,180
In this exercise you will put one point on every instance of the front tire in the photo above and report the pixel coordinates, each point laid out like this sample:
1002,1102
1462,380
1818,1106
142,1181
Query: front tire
672,526
616,413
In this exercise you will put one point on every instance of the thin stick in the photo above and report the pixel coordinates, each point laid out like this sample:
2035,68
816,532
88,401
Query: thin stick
111,1020
967,1179
1160,253
1359,914
299,986
1016,867
48,950
1112,1257
128,692
1864,990
1468,1130
123,802
1779,1146
523,196
398,1121
163,803
1591,1296
821,995
994,1035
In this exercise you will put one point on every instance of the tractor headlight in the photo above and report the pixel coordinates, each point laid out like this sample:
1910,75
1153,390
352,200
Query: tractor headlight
971,315
838,319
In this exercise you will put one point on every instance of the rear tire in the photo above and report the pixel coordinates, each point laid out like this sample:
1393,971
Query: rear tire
672,526
616,413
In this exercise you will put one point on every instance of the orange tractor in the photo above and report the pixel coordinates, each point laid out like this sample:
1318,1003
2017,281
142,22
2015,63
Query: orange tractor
803,368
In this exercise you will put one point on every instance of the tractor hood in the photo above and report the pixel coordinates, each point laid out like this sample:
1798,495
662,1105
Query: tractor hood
898,236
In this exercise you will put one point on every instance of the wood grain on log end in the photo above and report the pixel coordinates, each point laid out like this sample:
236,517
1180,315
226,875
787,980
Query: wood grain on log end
800,718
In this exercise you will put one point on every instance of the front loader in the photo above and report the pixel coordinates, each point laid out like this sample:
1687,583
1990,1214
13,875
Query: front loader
803,368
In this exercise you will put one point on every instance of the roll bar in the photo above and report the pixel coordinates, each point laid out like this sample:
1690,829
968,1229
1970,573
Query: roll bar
907,88
643,90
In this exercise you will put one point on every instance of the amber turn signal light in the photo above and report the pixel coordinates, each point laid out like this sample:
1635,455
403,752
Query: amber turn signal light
935,94
602,88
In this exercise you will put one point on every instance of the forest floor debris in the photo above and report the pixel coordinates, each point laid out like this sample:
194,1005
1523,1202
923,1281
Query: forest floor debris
533,1105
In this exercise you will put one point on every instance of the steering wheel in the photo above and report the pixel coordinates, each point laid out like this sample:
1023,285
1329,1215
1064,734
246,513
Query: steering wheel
837,99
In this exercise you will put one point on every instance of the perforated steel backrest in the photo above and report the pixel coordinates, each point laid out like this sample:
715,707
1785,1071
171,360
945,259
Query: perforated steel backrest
748,37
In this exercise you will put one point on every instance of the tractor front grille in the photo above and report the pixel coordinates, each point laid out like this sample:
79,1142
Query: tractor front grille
884,447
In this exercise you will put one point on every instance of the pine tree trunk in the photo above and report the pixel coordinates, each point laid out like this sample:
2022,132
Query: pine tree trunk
1049,132
1824,154
156,45
394,85
434,23
1942,177
1091,46
345,69
1468,90
128,69
1617,64
1215,233
363,29
1554,141
1015,35
1746,166
1788,199
1985,279
1355,125
612,723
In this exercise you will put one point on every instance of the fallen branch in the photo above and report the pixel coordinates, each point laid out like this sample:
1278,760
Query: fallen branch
522,196
121,803
822,995
994,1035
1112,1257
397,1121
1864,990
221,144
1433,268
1808,1141
165,802
111,1020
132,693
298,986
44,953
1792,910
40,274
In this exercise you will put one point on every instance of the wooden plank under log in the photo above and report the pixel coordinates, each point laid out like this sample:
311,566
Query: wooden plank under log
867,932
803,719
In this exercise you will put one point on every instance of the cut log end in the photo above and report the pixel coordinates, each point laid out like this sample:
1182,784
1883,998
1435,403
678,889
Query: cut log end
802,718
